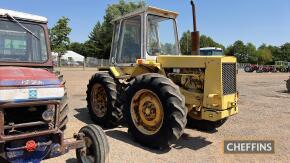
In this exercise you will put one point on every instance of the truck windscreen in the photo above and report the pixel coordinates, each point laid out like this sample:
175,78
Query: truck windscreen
211,52
18,45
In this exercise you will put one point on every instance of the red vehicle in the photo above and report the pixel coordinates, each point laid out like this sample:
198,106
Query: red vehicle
259,68
33,99
266,68
251,68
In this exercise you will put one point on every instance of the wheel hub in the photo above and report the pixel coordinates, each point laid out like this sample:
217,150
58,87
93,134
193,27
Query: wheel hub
87,153
99,100
147,112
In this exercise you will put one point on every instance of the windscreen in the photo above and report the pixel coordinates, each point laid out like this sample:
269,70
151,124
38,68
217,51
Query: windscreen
211,52
161,36
18,45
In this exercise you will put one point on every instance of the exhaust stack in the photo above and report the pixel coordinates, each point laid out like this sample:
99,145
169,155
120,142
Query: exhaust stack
195,34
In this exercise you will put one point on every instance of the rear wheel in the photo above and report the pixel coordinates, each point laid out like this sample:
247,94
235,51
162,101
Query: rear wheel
102,99
204,125
155,110
97,146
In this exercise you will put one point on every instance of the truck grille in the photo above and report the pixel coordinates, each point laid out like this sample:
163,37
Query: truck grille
229,77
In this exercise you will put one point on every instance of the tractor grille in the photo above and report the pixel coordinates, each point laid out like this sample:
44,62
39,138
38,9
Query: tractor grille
229,78
24,120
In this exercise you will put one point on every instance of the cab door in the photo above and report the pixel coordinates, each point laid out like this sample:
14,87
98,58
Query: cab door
127,41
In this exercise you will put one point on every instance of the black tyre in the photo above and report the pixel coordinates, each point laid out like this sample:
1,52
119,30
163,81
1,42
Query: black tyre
97,146
64,109
204,125
154,110
283,69
248,69
288,85
102,100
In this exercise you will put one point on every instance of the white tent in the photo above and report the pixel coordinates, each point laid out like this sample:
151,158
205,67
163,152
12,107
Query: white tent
70,55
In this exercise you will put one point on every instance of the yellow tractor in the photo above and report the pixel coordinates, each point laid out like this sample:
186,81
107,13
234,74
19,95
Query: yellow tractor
155,88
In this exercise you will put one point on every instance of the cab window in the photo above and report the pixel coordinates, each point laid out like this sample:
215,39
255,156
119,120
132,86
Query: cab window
130,40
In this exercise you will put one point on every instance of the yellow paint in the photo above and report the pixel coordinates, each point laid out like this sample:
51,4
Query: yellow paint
116,72
147,112
204,104
215,115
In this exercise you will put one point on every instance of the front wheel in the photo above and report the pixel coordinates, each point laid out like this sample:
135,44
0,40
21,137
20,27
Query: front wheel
64,108
97,146
155,110
102,98
204,125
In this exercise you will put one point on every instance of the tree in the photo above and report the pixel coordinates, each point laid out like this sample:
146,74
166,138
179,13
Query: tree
276,52
251,51
205,41
96,45
238,49
78,48
185,43
285,52
264,55
59,37
100,38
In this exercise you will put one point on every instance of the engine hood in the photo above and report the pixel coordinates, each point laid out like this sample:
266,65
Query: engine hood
21,76
193,61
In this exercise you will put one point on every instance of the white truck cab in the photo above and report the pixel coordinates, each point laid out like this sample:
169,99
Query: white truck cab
211,51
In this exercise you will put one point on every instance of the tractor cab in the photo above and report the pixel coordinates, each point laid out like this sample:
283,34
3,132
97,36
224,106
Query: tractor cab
23,40
144,34
33,99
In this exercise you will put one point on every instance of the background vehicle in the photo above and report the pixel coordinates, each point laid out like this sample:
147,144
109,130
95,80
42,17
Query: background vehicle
211,51
282,66
33,99
251,68
156,89
268,68
260,68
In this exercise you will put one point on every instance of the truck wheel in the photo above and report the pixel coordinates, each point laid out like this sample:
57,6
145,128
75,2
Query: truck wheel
288,85
204,125
97,146
64,109
102,99
155,110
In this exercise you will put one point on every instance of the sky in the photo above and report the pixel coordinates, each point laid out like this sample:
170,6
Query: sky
256,21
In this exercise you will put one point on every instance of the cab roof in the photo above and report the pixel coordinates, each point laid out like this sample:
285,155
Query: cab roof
23,16
149,10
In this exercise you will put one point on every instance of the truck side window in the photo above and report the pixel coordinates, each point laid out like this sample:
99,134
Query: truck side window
130,41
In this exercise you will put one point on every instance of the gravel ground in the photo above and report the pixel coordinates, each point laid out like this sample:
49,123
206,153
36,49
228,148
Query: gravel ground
264,114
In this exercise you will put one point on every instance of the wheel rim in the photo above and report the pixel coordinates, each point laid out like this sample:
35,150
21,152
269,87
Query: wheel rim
147,112
87,153
99,100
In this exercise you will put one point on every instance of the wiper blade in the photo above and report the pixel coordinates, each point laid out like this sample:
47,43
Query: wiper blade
22,26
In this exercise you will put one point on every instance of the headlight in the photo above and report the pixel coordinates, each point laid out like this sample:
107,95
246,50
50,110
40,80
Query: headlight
48,115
